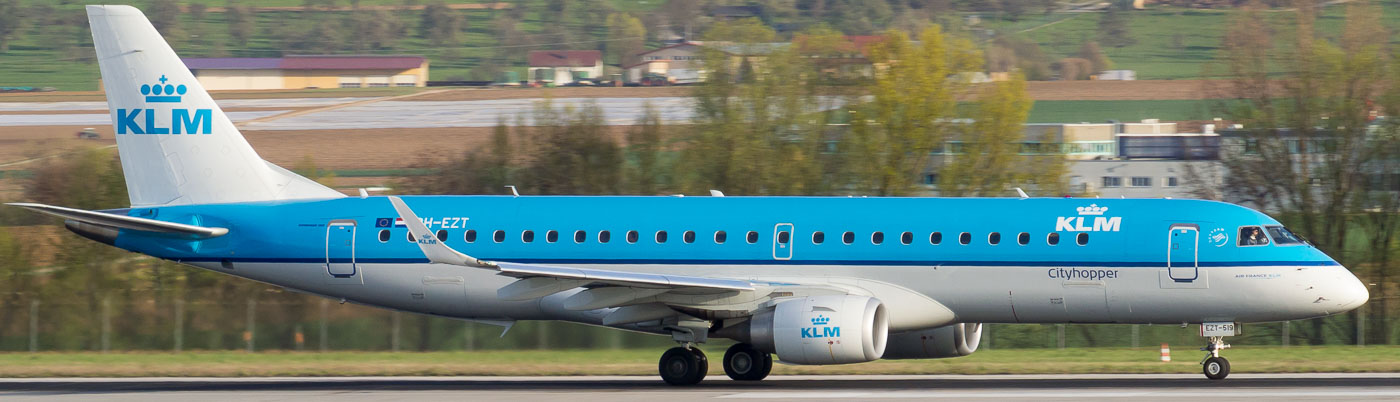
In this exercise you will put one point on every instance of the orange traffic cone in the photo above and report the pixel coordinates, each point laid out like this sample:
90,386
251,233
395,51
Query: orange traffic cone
1166,353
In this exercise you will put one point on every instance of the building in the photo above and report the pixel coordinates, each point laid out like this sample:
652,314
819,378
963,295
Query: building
680,63
298,72
1149,159
564,66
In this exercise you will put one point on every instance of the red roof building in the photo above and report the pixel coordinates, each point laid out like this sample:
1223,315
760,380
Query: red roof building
564,66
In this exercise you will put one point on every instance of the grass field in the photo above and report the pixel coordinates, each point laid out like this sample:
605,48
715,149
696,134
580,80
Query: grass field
1170,43
642,362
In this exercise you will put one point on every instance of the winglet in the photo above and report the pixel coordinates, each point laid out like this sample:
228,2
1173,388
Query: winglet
432,248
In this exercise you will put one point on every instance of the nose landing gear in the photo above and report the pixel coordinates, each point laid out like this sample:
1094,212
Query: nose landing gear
1215,366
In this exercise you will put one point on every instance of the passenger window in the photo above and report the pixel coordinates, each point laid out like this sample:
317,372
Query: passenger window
994,238
1023,238
384,235
604,236
1082,239
964,238
551,236
1283,236
469,236
935,238
499,236
442,235
751,237
907,238
661,236
410,237
688,236
1052,239
721,236
1252,236
877,237
818,237
784,237
580,236
632,236
848,237
527,236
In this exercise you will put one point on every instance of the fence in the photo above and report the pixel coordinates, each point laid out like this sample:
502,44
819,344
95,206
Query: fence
296,322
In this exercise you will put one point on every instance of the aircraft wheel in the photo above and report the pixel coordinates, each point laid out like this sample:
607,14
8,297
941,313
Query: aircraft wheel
704,362
1216,368
743,362
681,366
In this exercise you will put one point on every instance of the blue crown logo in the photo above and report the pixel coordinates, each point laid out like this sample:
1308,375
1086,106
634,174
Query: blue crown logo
162,92
821,320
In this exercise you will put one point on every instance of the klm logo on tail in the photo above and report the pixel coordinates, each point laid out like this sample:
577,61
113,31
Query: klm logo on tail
179,121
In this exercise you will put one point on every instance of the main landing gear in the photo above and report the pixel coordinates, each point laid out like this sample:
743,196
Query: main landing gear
743,362
684,365
1215,366
687,365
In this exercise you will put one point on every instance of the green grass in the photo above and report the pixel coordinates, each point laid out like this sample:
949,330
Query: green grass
642,362
1172,43
1125,111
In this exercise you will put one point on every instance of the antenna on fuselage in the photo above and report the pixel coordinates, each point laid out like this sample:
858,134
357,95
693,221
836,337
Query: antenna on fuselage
716,193
513,191
1022,193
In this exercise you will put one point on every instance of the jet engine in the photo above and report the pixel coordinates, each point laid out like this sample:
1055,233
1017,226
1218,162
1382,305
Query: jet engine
955,340
818,330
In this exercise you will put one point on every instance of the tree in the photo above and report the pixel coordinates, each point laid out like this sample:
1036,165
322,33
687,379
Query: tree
165,16
439,24
994,156
1114,30
372,29
626,38
10,22
1309,152
914,104
1074,69
1091,52
644,172
197,11
1009,52
240,22
753,131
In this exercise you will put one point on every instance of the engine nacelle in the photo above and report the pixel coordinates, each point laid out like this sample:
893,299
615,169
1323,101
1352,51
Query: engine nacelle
819,330
946,341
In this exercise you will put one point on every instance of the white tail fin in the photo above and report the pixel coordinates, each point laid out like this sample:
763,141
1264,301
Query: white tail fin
177,147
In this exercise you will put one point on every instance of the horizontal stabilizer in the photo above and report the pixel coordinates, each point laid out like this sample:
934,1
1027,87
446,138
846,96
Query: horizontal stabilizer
123,221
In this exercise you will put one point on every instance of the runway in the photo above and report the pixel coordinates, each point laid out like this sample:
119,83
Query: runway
849,387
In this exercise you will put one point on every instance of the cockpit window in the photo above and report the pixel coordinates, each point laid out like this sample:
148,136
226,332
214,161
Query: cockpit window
1282,236
1252,236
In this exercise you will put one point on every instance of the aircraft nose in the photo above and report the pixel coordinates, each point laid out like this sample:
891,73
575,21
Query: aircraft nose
1352,292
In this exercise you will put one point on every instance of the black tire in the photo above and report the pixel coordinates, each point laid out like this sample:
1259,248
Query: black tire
743,362
1216,368
704,363
679,366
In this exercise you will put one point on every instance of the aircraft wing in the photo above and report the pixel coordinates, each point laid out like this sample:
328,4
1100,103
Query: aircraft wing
123,221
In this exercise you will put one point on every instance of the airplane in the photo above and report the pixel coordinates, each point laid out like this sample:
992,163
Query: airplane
812,280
